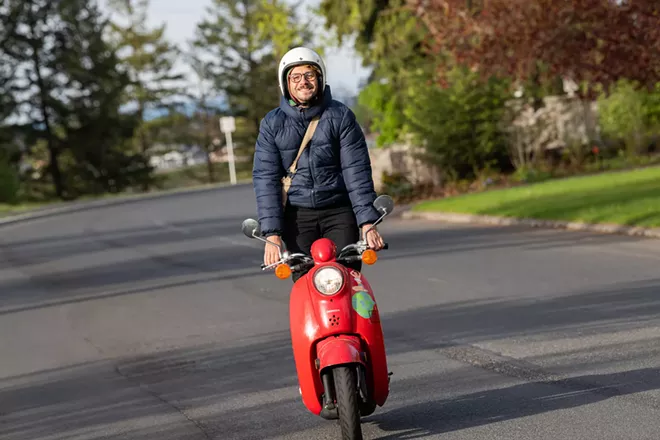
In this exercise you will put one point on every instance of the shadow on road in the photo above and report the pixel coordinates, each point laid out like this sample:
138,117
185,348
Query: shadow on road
438,416
620,307
61,283
41,302
457,239
194,393
45,288
47,282
91,240
250,388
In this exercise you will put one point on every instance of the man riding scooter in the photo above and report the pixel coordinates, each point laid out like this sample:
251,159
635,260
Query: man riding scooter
312,147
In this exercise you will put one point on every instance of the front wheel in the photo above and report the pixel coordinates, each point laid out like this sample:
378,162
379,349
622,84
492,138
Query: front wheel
347,403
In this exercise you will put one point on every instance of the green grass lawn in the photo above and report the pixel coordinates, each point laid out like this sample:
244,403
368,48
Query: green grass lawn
6,210
627,198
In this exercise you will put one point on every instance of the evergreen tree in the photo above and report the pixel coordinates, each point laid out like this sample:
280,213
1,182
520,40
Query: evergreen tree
241,43
149,61
68,89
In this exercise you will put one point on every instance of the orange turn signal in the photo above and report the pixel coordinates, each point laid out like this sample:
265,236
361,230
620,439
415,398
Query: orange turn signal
369,256
282,271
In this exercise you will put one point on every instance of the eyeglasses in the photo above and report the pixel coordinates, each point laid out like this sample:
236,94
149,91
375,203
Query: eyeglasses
309,76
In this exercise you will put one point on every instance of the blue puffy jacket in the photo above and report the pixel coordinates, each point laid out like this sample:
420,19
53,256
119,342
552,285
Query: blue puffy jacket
334,167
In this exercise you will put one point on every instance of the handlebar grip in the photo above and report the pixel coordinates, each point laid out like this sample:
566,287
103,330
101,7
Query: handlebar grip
386,246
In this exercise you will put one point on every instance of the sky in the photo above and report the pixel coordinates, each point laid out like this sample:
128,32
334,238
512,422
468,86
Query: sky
181,17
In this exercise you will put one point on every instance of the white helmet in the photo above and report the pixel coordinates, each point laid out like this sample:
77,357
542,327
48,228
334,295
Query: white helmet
296,57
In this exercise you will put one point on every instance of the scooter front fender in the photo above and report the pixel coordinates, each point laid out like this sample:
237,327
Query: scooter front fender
339,350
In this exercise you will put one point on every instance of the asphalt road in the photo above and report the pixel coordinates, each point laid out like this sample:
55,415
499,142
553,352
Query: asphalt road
152,320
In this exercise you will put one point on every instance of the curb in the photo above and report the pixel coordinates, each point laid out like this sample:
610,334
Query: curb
534,223
71,207
400,211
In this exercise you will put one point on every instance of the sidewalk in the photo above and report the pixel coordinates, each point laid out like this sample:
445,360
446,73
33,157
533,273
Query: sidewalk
450,217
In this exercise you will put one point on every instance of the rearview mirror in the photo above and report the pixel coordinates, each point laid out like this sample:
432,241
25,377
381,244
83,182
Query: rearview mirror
250,228
384,204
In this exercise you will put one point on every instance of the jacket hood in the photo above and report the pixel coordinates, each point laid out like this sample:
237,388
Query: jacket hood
307,113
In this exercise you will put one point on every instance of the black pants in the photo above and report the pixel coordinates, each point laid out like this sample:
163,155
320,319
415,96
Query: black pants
303,226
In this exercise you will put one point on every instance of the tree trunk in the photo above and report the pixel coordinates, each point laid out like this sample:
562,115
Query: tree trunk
537,94
53,149
209,165
144,144
208,142
55,171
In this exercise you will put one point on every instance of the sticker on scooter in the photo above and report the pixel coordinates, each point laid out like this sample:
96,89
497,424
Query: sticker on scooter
363,304
358,279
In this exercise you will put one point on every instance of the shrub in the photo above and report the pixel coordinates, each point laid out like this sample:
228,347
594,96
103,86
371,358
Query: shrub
460,125
397,186
630,115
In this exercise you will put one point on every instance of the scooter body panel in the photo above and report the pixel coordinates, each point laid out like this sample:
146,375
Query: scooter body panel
335,330
368,326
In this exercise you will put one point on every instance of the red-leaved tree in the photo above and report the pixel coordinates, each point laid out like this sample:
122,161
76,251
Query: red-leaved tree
597,41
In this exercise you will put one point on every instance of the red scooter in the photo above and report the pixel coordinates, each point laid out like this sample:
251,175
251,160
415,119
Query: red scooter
336,333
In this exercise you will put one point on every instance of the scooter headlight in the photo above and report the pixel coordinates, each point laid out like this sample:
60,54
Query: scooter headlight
328,280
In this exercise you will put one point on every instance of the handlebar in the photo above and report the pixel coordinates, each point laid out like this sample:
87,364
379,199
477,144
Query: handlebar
307,260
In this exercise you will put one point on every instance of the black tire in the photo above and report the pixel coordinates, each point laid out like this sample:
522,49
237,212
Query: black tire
347,403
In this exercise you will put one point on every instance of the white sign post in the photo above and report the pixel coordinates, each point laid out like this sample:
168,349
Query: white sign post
227,126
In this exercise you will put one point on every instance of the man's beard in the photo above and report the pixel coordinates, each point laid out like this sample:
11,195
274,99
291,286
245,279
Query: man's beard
306,101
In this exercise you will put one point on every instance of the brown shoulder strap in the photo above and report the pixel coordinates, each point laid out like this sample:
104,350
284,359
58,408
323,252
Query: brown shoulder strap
308,136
